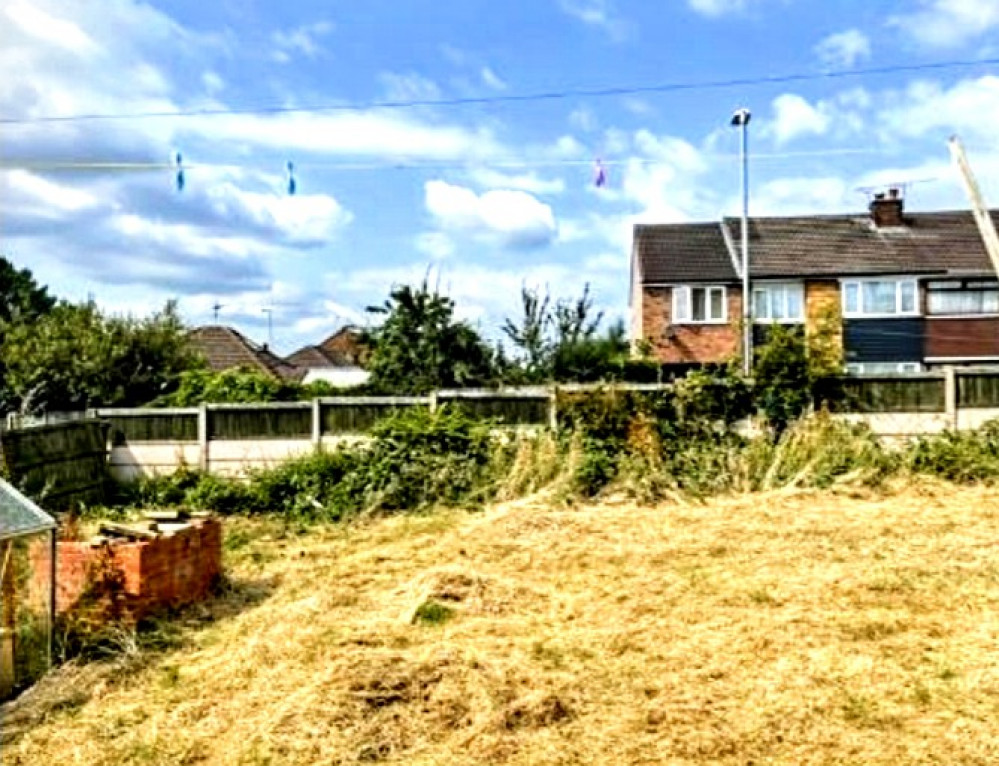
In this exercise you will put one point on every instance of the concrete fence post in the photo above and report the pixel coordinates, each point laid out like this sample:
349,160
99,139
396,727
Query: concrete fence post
432,401
553,408
950,397
203,457
317,425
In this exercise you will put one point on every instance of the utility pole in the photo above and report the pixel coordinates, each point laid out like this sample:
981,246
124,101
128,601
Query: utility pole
986,227
741,119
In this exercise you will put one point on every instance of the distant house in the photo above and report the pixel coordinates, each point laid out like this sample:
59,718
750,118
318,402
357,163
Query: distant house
226,349
911,291
337,360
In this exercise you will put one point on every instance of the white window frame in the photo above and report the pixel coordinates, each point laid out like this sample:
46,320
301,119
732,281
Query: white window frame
686,317
860,313
952,286
785,287
901,368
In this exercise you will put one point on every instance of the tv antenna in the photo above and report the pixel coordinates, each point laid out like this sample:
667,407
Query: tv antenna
216,308
901,186
269,310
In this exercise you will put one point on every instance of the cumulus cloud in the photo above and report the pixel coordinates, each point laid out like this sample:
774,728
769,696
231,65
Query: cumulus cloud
947,23
844,50
512,218
795,117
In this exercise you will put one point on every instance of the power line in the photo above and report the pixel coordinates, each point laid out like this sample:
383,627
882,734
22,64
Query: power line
518,98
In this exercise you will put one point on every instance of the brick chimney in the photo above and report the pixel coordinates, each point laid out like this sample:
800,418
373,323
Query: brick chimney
887,210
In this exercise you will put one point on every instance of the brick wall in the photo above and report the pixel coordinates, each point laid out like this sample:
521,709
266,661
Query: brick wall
172,570
689,343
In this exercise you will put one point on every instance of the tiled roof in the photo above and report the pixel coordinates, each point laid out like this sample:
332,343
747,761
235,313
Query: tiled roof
345,347
225,349
685,252
803,246
311,357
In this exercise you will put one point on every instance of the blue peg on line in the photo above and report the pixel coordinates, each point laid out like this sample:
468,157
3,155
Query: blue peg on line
292,186
179,162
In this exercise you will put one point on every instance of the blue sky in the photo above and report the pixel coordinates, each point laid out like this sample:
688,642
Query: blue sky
484,197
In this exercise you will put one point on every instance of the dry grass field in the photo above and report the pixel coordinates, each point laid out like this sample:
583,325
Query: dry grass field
808,628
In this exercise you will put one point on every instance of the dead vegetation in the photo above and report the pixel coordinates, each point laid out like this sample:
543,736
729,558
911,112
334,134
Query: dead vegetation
794,627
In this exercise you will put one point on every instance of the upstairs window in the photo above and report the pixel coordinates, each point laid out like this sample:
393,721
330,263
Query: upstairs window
779,302
958,298
699,305
879,297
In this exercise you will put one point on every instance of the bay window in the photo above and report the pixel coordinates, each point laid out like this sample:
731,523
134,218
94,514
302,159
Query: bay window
699,305
880,297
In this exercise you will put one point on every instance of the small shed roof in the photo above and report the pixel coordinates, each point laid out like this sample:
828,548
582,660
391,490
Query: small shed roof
19,516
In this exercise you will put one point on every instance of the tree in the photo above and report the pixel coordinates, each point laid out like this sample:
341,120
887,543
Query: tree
22,300
788,367
75,357
561,342
419,346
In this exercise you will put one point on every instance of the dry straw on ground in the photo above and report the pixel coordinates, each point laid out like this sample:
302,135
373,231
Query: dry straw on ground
813,628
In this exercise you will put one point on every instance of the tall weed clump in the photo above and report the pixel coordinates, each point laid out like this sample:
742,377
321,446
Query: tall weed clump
817,451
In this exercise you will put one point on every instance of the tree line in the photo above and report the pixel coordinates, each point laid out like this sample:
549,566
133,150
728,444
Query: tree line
57,355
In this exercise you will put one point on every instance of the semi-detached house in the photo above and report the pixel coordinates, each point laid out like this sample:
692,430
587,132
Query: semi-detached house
906,291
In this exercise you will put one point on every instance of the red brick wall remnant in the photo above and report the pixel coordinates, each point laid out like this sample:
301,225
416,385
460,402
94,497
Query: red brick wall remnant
673,343
171,570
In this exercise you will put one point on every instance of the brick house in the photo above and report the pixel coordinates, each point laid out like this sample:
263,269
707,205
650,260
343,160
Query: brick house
905,291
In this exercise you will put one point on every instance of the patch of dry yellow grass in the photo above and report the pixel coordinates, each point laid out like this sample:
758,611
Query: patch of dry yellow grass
816,628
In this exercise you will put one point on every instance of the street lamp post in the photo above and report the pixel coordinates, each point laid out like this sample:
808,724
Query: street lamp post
741,120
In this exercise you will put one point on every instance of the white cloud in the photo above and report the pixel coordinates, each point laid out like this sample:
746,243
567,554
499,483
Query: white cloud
969,107
436,244
512,218
213,82
598,13
795,117
491,79
717,7
51,29
804,196
947,23
529,181
844,50
582,118
302,40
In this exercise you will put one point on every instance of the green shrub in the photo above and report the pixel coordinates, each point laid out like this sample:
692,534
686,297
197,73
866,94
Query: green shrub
958,456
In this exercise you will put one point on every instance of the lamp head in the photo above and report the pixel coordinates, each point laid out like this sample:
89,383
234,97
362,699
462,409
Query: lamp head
741,117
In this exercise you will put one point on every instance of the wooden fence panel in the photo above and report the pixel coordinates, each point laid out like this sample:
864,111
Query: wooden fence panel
60,465
260,421
884,394
511,408
356,415
977,390
151,426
